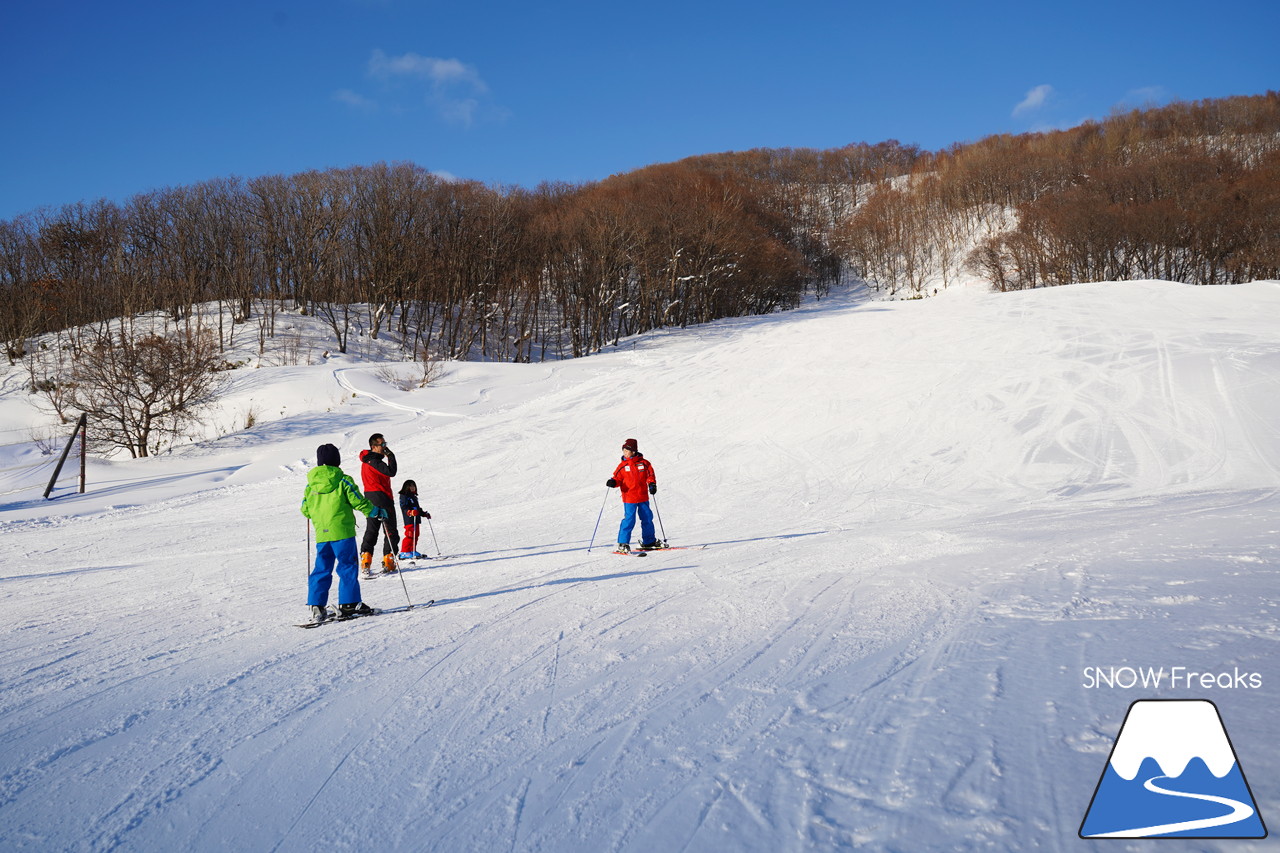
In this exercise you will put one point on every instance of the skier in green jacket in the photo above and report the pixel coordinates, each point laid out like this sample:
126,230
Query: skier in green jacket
331,501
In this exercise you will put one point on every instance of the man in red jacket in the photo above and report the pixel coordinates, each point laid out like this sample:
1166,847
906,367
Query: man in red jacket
378,466
634,477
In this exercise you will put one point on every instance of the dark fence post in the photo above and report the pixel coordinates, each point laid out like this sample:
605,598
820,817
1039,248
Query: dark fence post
81,425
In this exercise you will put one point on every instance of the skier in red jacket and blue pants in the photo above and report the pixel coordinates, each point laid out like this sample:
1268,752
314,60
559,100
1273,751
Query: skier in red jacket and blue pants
634,477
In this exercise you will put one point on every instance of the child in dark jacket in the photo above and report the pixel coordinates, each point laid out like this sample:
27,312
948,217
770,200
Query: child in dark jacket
413,513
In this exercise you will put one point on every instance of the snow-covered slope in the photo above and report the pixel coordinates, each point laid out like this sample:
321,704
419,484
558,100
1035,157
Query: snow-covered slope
924,522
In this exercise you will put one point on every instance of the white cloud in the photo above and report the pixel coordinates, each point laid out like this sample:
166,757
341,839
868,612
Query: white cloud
354,99
441,72
453,87
1034,100
458,111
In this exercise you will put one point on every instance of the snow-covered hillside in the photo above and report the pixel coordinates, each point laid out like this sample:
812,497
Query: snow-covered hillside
928,524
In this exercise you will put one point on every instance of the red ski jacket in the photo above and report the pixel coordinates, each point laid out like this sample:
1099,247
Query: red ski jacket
634,476
377,471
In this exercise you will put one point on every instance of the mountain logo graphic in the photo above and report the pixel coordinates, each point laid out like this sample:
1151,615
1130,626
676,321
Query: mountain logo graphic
1173,773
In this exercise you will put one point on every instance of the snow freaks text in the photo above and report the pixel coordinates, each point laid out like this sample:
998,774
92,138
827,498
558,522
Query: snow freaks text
1174,677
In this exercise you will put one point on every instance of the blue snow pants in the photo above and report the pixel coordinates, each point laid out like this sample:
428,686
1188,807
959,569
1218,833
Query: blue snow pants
342,556
629,513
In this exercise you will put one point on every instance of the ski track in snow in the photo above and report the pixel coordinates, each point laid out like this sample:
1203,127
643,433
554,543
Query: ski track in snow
924,520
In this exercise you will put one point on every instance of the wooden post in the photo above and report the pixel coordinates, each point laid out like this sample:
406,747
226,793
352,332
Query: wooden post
81,425
84,428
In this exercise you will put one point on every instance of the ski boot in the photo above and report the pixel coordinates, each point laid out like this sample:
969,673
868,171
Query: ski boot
319,614
347,611
655,545
388,564
624,547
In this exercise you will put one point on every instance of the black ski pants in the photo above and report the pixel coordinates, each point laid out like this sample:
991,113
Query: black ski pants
374,526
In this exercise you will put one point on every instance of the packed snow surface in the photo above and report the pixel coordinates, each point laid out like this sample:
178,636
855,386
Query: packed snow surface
928,526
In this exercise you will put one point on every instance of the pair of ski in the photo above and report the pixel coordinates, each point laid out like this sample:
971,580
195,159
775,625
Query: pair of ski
642,552
402,562
368,576
413,562
354,616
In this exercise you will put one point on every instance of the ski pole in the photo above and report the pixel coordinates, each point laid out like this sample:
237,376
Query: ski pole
654,498
596,529
392,541
432,527
308,555
386,525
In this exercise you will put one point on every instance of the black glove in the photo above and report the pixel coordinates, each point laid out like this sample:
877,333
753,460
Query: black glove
611,483
426,515
653,488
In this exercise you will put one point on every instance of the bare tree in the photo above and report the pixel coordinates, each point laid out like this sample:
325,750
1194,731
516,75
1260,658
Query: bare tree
22,308
141,394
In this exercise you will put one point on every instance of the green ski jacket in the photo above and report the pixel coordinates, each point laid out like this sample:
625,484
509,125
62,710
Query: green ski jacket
330,501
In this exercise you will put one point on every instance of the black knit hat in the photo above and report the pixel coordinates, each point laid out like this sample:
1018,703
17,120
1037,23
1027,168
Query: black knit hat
327,454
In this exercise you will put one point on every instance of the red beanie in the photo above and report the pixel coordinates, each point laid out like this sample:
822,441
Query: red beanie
630,444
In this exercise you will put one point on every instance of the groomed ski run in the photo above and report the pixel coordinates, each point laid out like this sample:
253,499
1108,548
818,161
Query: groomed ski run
926,519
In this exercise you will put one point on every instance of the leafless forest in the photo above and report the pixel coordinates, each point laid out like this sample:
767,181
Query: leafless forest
1188,192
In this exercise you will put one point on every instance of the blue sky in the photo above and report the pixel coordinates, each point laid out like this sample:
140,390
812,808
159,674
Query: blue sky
105,100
